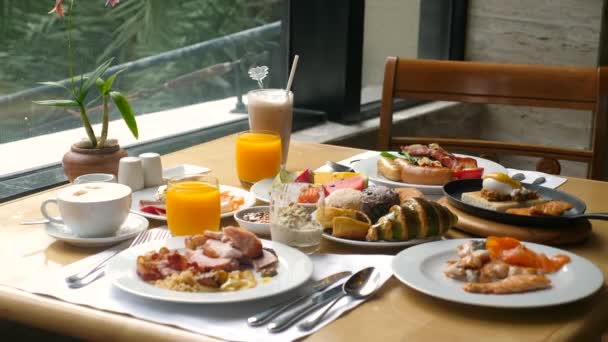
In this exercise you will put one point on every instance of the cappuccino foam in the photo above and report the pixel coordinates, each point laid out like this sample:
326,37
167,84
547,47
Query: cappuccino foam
93,192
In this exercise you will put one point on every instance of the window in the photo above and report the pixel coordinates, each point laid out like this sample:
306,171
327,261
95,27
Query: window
187,65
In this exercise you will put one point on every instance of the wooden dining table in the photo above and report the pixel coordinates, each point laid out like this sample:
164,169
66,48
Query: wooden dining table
395,313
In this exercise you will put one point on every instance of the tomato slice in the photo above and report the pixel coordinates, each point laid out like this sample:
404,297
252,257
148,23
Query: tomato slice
469,173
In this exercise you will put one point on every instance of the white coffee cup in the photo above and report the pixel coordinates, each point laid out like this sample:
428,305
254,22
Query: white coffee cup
91,209
94,178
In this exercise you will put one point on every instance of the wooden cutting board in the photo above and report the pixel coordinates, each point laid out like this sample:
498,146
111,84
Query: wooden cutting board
475,226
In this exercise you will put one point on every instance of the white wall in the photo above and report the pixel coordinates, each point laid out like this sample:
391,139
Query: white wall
391,29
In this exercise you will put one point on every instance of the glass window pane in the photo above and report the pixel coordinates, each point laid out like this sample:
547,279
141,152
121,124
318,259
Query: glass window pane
186,62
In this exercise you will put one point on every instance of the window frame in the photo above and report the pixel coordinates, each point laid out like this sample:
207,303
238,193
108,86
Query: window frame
333,46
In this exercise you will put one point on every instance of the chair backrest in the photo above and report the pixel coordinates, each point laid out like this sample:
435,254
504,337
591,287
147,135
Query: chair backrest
511,84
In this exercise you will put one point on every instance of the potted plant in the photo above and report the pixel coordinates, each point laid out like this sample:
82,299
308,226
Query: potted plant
95,153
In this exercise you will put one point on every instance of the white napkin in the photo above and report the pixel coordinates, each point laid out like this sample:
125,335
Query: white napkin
551,181
227,321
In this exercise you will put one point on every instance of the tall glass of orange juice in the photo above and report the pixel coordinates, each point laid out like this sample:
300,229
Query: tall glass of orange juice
193,204
258,155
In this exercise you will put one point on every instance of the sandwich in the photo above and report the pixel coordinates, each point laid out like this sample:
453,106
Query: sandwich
501,192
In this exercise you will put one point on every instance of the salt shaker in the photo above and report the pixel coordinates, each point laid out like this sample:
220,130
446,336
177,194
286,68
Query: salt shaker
131,173
153,169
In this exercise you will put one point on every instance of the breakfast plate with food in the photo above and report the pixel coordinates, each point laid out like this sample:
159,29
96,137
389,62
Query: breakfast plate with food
424,167
498,197
150,202
328,180
231,265
383,217
497,272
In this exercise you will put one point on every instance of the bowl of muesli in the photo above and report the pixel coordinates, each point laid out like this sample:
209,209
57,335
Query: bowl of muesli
255,219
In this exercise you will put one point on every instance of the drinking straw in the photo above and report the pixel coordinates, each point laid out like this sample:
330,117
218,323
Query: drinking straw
294,66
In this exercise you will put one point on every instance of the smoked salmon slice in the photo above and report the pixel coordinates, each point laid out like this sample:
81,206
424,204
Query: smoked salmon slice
512,252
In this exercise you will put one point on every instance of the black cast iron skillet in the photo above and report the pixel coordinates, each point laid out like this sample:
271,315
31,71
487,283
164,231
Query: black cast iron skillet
453,191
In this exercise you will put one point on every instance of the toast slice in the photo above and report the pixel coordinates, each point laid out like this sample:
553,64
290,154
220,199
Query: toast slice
475,198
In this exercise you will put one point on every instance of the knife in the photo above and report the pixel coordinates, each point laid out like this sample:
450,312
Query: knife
266,315
288,319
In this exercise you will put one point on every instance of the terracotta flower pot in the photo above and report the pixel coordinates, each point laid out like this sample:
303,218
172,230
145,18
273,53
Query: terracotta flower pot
82,159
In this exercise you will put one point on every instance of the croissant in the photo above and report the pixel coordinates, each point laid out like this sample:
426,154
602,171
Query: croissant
415,218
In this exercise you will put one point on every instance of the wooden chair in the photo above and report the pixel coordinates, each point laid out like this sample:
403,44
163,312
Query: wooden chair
525,85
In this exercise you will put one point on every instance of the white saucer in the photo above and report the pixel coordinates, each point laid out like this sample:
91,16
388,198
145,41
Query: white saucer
132,226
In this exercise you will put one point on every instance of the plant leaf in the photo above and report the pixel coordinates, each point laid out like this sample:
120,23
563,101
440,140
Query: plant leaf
92,79
108,85
99,83
54,84
124,107
58,103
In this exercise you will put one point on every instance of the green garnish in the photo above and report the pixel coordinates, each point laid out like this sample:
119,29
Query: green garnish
408,157
388,155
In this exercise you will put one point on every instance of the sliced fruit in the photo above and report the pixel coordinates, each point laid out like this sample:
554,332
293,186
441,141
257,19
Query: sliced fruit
328,177
309,195
357,183
305,176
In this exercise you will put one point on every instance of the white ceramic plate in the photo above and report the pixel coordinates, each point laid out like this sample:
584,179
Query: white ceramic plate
379,244
129,229
421,268
294,269
148,194
368,166
261,189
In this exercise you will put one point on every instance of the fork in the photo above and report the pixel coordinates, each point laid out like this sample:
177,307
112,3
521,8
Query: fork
96,271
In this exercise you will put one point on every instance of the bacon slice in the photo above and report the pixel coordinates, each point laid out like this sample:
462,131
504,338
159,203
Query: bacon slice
218,249
417,150
267,259
206,263
245,241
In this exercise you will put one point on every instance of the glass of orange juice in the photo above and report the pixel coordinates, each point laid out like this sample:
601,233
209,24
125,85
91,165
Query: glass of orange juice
258,155
193,204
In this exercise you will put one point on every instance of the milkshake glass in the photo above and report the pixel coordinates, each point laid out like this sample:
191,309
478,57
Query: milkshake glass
272,110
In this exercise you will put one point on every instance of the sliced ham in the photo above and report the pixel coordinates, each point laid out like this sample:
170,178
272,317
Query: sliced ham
195,241
218,249
245,241
267,259
216,235
204,262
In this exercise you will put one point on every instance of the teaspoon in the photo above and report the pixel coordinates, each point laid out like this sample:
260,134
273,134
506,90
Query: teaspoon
360,285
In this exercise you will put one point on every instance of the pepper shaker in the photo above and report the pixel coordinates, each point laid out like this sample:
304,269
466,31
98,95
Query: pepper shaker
153,169
131,173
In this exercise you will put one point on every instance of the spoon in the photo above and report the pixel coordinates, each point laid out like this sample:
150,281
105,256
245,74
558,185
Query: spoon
360,285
